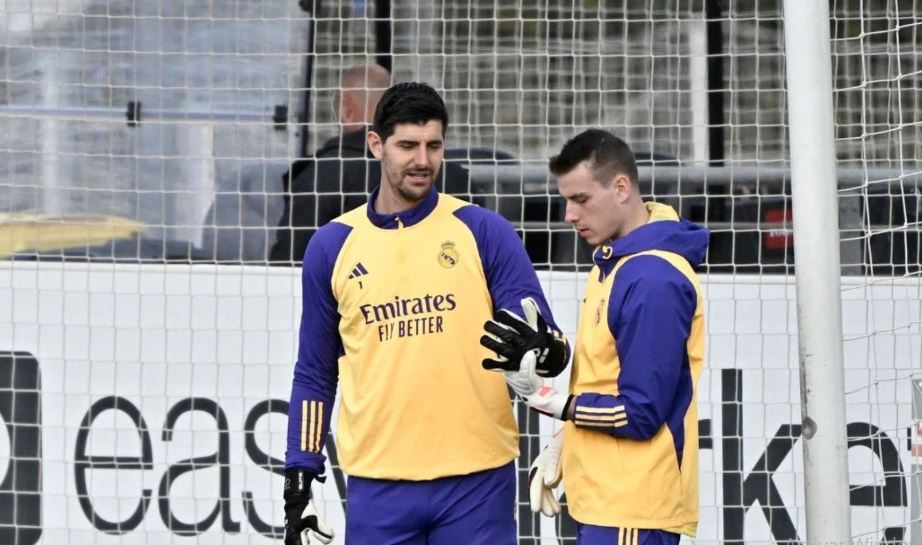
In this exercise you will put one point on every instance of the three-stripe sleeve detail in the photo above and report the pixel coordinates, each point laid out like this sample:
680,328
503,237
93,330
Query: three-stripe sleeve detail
600,417
311,425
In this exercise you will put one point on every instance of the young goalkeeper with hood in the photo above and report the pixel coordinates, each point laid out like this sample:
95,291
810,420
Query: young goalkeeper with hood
628,451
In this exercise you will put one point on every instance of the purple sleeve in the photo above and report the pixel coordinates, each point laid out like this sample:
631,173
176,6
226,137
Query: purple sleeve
650,313
510,274
316,373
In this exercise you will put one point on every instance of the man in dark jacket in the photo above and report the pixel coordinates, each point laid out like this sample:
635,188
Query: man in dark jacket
336,178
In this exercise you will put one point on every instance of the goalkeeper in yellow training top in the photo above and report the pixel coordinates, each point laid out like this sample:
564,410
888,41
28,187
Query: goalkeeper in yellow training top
628,454
395,296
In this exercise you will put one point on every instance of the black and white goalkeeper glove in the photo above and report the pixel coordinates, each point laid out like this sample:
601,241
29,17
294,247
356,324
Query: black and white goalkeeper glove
512,336
302,521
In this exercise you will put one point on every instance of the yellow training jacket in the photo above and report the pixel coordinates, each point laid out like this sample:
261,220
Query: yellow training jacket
630,456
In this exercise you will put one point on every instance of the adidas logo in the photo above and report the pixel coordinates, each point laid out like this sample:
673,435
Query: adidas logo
358,270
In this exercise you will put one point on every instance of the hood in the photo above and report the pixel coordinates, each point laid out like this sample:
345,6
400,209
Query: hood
664,231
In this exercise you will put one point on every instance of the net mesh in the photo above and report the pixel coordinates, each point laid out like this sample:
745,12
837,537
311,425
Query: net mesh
138,134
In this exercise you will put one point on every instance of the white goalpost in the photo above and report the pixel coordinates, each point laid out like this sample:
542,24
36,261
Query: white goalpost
818,267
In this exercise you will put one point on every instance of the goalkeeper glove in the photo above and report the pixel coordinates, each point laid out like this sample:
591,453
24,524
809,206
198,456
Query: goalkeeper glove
544,476
302,521
530,387
524,382
511,337
546,400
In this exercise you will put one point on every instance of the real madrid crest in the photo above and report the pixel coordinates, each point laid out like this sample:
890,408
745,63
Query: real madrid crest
598,312
448,256
607,251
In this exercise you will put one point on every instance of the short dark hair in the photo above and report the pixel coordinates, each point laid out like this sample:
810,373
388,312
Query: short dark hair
607,154
409,102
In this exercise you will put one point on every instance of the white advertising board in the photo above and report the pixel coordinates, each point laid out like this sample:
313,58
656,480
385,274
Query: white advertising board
161,391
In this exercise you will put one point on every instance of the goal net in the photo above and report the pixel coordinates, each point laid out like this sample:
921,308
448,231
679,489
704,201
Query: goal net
150,289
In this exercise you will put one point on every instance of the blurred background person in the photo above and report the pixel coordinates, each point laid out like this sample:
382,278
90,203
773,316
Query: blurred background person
336,178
